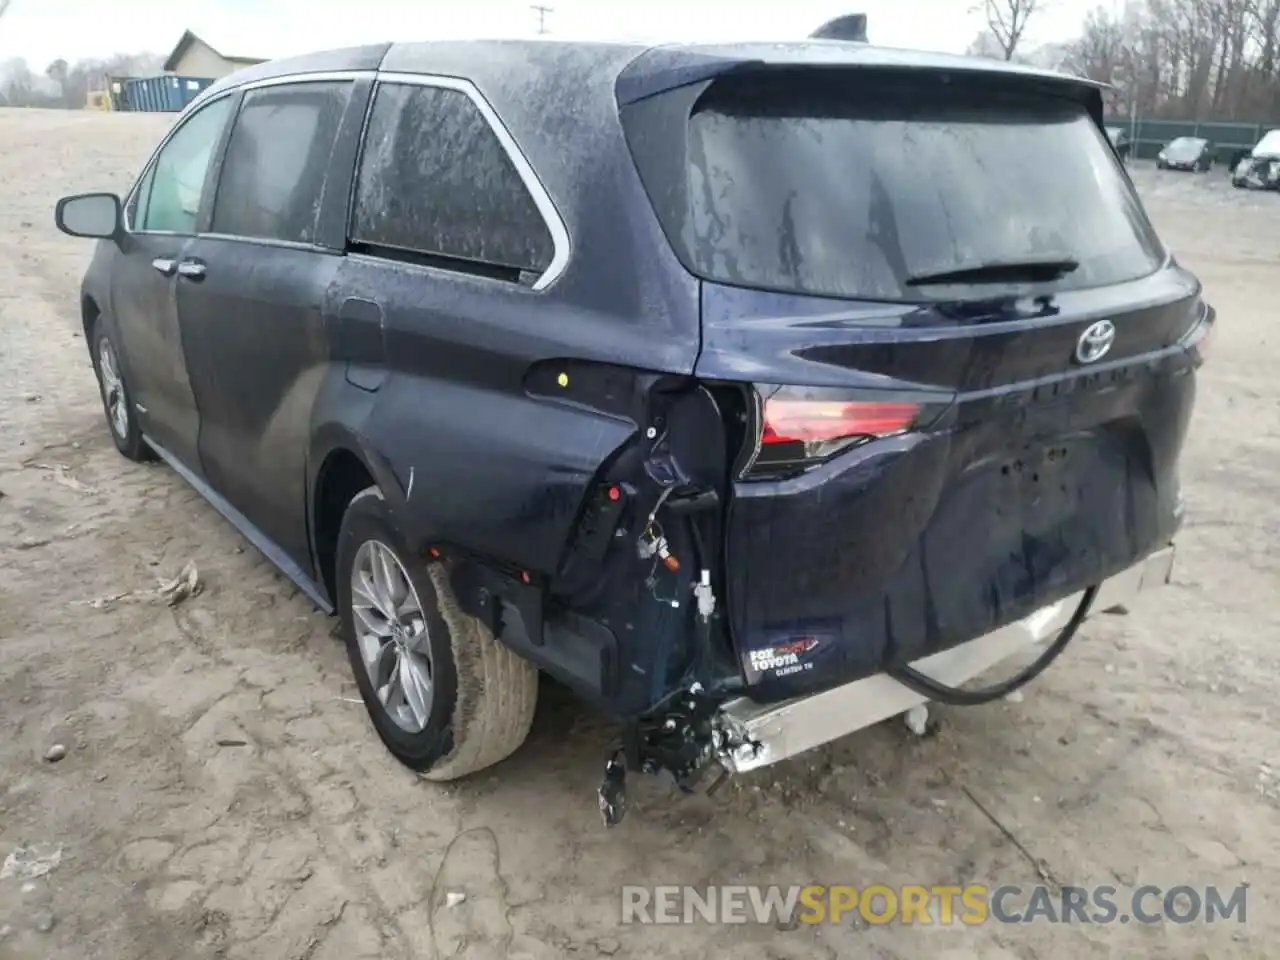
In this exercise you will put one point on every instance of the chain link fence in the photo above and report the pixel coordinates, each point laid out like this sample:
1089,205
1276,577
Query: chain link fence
1230,139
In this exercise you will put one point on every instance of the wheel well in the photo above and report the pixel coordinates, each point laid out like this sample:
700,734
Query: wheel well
341,477
89,314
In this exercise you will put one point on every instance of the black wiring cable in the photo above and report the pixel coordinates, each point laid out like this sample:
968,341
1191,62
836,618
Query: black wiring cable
942,693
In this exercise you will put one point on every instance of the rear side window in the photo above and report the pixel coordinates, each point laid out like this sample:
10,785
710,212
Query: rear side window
857,187
273,176
435,180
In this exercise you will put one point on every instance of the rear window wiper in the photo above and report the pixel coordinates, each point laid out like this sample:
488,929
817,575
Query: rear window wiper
1000,271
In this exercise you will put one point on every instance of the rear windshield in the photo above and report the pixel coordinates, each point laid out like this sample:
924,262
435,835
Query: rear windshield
852,189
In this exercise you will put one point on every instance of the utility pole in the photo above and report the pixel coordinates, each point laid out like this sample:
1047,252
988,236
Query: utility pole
542,12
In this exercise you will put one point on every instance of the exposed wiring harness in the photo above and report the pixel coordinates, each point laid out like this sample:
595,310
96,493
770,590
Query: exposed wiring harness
652,546
942,693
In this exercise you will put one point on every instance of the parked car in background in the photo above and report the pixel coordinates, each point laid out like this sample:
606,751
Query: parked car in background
1260,169
1186,153
1120,141
688,396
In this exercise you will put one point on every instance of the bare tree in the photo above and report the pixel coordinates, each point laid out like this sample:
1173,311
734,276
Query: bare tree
68,85
1186,59
1099,50
1007,21
16,82
1104,52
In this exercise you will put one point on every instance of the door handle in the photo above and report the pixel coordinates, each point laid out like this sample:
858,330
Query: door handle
165,265
191,269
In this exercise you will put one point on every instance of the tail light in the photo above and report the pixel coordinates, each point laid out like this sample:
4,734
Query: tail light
798,433
1199,340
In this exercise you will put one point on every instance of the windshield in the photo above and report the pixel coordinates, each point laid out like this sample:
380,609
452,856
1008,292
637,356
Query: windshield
1184,148
850,189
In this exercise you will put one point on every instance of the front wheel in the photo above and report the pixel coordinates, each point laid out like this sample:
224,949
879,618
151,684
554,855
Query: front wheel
117,403
445,696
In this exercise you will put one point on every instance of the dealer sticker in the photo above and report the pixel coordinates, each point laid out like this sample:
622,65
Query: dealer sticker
781,659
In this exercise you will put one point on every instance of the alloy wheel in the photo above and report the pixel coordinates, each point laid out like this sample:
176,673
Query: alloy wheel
113,391
391,631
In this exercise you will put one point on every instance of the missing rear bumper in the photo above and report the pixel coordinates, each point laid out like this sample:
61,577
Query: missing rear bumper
763,734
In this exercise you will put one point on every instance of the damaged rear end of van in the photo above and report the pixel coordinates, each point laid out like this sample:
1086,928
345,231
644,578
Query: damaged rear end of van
950,368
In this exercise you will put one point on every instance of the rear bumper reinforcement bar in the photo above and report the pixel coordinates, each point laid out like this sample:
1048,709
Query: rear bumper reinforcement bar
772,732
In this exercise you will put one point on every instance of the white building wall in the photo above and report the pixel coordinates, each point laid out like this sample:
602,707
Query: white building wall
201,60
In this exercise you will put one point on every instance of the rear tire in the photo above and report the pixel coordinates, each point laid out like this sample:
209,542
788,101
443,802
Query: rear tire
117,401
480,698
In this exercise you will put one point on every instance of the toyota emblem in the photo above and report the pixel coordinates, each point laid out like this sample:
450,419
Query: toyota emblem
1095,342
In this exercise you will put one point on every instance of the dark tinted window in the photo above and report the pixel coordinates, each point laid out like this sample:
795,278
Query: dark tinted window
273,176
435,179
851,189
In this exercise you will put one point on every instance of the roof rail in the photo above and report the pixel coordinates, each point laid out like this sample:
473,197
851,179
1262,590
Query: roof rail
851,26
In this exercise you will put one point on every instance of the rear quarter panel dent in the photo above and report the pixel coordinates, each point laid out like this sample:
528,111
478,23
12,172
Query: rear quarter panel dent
499,474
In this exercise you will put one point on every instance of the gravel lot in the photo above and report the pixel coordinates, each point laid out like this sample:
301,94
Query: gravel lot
222,796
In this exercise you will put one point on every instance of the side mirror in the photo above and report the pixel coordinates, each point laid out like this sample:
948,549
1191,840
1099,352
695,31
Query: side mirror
90,215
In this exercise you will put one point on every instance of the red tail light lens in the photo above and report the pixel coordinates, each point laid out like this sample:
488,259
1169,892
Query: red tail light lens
799,433
809,421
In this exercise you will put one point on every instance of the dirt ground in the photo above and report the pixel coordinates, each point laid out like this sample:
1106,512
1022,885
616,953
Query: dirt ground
222,795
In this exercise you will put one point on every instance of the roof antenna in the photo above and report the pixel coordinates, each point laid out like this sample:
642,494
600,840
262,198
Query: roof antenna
852,26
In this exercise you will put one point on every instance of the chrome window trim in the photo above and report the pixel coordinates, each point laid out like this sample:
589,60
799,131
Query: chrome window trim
561,245
541,198
289,79
271,242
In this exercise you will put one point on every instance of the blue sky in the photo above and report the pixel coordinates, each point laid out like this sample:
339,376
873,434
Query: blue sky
42,30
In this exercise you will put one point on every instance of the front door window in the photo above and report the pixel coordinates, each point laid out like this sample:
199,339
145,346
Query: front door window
168,201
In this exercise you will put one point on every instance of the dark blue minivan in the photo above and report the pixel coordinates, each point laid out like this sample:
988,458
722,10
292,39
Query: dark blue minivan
754,392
